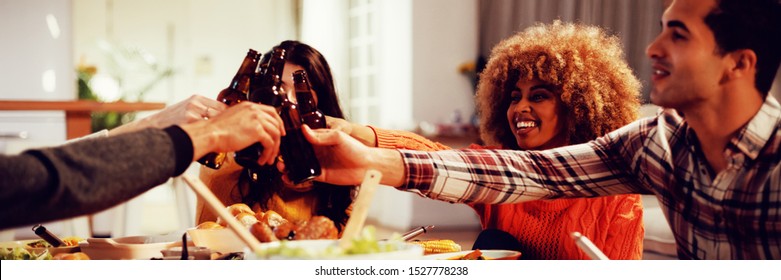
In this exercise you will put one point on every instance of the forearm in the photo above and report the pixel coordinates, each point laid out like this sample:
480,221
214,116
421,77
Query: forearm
83,177
365,134
397,139
131,127
506,176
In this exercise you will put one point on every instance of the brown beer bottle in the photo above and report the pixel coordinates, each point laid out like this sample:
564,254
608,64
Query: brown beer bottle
234,94
263,63
254,173
266,89
297,152
307,106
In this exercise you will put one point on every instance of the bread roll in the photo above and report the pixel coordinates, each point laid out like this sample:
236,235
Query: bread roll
263,232
209,225
260,216
235,210
247,219
71,256
285,231
273,219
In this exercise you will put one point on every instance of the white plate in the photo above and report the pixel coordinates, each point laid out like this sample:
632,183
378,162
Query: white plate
316,248
488,254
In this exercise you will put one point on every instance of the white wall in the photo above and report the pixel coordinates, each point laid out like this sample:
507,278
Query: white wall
395,55
328,39
30,49
444,36
35,64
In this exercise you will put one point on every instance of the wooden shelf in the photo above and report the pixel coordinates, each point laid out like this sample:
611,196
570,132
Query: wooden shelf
78,118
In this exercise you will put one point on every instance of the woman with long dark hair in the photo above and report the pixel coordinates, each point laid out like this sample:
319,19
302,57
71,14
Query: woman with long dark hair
233,183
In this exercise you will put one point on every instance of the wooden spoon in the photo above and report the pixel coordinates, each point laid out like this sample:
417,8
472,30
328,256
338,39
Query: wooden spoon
360,207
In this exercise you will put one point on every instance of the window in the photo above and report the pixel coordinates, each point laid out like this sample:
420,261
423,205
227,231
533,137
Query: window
362,100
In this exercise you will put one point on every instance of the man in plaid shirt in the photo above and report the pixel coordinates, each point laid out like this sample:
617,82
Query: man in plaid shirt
712,157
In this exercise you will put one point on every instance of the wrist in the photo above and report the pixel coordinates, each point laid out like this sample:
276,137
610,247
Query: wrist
365,134
389,163
203,138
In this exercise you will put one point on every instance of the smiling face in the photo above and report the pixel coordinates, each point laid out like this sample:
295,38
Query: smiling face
687,66
536,116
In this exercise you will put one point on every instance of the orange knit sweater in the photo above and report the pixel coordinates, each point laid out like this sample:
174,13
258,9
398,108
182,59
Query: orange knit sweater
613,223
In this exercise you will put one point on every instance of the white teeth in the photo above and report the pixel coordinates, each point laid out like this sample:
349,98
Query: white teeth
525,124
660,72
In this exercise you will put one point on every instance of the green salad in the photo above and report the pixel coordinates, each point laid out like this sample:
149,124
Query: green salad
365,243
20,253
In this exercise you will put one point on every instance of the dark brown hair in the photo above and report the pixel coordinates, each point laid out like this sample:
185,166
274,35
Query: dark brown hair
333,201
750,24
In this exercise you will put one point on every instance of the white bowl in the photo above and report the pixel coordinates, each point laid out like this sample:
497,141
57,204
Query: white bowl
125,248
316,250
222,240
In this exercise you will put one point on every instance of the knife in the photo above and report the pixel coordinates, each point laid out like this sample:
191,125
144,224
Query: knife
407,236
47,235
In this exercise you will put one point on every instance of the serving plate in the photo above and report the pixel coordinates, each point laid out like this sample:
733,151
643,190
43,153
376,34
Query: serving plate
323,250
487,254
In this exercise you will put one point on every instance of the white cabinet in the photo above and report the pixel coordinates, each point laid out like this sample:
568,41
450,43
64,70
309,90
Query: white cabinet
20,130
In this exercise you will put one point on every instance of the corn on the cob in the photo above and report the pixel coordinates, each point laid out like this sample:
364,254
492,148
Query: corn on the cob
438,246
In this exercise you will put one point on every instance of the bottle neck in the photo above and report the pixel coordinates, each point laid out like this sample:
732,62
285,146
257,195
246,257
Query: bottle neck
241,83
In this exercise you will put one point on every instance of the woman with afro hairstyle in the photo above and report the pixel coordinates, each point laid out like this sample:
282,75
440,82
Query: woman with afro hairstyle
548,86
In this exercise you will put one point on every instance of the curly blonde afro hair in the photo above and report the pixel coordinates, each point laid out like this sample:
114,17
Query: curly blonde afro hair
584,64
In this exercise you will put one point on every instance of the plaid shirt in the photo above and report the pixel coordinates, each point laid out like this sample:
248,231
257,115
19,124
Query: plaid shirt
734,215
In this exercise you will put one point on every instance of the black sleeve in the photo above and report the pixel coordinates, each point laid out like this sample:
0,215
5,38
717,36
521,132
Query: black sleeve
183,148
86,176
